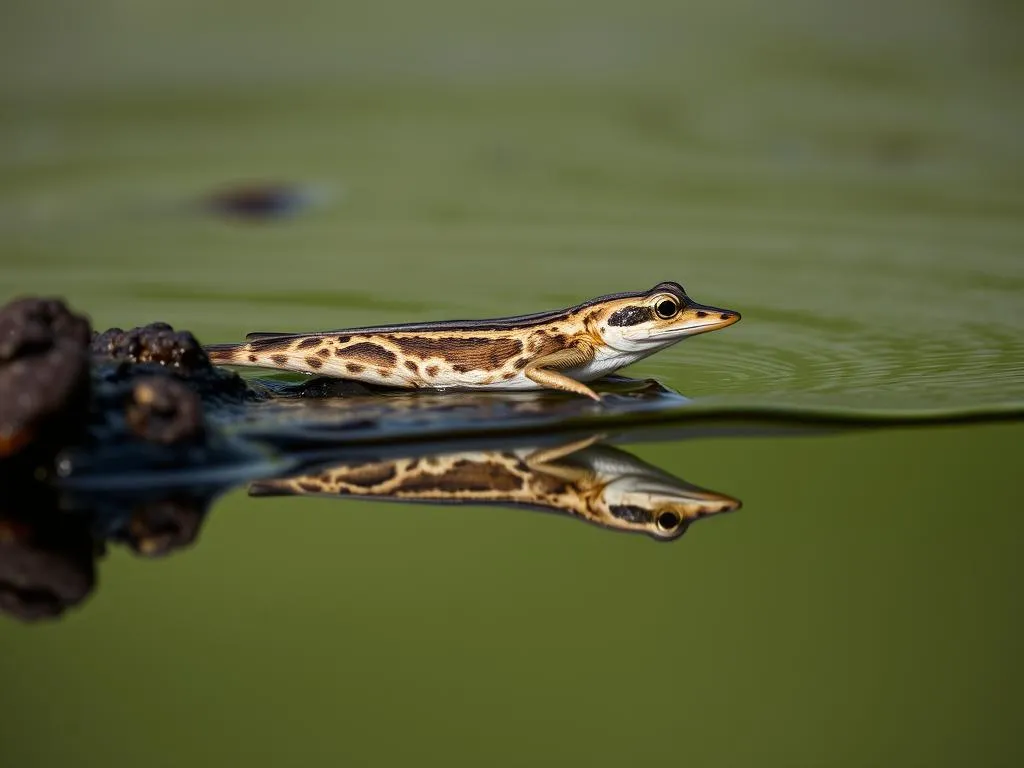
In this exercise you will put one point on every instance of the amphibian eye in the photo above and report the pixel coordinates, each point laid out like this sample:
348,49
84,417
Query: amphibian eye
666,309
667,521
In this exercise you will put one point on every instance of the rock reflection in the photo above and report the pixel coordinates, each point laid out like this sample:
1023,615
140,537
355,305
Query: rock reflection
586,480
50,541
47,559
151,525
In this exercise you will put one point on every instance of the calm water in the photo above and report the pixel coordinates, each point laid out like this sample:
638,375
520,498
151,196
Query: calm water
848,176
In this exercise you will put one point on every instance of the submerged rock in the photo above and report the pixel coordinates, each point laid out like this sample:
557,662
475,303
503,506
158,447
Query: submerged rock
165,411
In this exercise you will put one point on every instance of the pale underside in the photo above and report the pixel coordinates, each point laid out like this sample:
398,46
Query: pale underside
430,371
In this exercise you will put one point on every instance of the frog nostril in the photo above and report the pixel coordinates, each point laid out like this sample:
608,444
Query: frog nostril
726,316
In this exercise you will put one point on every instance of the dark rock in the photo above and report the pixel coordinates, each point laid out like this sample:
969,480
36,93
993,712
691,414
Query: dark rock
44,379
115,401
153,343
120,357
30,325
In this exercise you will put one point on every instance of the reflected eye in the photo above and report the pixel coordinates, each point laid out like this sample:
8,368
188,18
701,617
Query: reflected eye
667,521
666,308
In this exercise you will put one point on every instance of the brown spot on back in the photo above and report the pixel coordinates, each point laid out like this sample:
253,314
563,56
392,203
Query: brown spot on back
550,344
312,341
314,362
521,363
467,476
268,343
432,370
344,339
279,359
324,352
369,475
354,367
252,358
383,372
473,353
412,366
544,343
509,375
548,484
372,354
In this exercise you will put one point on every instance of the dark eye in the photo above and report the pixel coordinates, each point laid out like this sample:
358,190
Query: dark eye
666,309
667,521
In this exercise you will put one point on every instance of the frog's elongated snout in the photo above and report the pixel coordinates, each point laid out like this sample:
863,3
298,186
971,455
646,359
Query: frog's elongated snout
701,318
694,501
693,319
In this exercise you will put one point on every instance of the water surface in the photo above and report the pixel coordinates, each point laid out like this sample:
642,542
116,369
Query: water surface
848,176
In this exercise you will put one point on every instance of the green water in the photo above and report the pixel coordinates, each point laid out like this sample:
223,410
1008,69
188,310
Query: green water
849,176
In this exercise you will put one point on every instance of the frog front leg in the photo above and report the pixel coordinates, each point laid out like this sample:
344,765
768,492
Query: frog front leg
543,370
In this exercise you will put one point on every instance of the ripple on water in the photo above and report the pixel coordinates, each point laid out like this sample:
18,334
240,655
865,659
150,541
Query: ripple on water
963,370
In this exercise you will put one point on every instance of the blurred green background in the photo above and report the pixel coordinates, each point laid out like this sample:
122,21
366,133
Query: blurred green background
847,175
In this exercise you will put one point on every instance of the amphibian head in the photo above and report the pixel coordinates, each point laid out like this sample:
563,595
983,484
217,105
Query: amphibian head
657,318
663,509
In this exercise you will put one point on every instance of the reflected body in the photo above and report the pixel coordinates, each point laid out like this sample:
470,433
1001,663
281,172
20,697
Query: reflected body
598,484
52,541
555,350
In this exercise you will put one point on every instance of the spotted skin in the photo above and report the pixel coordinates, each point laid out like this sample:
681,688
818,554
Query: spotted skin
558,350
597,484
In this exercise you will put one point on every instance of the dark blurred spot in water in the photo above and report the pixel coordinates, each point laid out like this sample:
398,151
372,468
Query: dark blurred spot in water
261,200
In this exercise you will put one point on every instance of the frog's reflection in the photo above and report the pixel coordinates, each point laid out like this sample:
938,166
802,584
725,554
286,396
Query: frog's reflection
595,483
50,539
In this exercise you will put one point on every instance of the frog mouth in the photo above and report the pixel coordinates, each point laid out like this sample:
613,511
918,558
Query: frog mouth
700,319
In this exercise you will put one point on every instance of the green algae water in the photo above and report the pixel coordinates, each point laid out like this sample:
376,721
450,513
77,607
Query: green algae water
848,176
